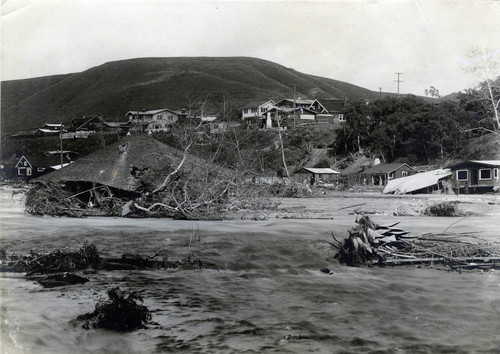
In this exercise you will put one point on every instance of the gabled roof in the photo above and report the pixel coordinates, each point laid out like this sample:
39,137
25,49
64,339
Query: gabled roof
416,182
386,168
323,171
43,161
82,121
151,112
256,104
297,101
333,105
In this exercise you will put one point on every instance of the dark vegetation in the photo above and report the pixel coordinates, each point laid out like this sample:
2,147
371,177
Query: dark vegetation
413,130
120,312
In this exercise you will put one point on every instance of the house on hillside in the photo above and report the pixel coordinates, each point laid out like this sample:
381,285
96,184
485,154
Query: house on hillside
87,123
35,166
153,120
476,176
316,175
380,174
309,104
287,118
336,111
291,113
252,112
50,129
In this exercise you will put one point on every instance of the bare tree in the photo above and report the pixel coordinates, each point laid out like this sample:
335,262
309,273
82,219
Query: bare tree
485,68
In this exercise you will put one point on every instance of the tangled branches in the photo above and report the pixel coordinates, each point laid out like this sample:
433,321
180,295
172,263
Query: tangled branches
54,262
369,243
120,312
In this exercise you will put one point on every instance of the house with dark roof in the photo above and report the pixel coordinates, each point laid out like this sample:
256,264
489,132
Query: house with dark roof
476,176
336,111
380,174
129,167
87,123
312,105
35,166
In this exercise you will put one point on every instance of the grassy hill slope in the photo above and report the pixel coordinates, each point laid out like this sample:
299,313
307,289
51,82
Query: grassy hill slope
114,88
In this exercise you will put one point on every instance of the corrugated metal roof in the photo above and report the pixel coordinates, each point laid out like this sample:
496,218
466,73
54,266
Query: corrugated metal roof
415,182
321,170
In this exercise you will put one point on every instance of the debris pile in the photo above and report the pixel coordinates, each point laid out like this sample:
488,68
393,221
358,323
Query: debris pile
121,312
58,261
369,244
52,199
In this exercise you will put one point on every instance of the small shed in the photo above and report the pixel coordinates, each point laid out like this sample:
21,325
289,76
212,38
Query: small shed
380,174
315,175
476,176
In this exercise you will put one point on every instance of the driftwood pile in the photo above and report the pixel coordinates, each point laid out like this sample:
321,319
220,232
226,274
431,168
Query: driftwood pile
87,257
369,244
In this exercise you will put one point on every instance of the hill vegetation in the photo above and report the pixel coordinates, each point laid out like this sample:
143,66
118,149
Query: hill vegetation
114,88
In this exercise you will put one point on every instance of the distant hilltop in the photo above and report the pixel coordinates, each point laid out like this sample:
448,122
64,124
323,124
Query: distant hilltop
114,88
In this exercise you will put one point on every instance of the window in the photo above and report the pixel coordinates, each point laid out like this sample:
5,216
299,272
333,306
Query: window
341,118
404,173
462,175
391,175
485,174
495,173
28,171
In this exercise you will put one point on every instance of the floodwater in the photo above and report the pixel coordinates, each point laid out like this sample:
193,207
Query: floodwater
268,295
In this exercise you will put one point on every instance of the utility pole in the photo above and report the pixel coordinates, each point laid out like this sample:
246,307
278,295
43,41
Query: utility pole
398,80
61,144
294,104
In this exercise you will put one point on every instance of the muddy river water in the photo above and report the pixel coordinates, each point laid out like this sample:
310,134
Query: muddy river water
268,295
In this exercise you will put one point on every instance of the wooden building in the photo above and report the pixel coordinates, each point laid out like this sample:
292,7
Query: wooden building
380,174
315,175
476,176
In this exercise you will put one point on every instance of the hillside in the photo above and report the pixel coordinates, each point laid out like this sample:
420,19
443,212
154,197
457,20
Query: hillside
114,88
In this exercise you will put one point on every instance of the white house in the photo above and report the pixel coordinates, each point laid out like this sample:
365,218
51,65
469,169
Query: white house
153,120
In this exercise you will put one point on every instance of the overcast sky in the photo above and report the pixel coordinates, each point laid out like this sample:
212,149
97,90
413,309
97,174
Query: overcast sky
361,42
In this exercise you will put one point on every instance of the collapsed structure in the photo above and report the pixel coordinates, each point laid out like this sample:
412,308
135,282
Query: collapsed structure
138,173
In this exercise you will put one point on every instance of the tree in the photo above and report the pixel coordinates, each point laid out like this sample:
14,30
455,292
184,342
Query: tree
485,67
